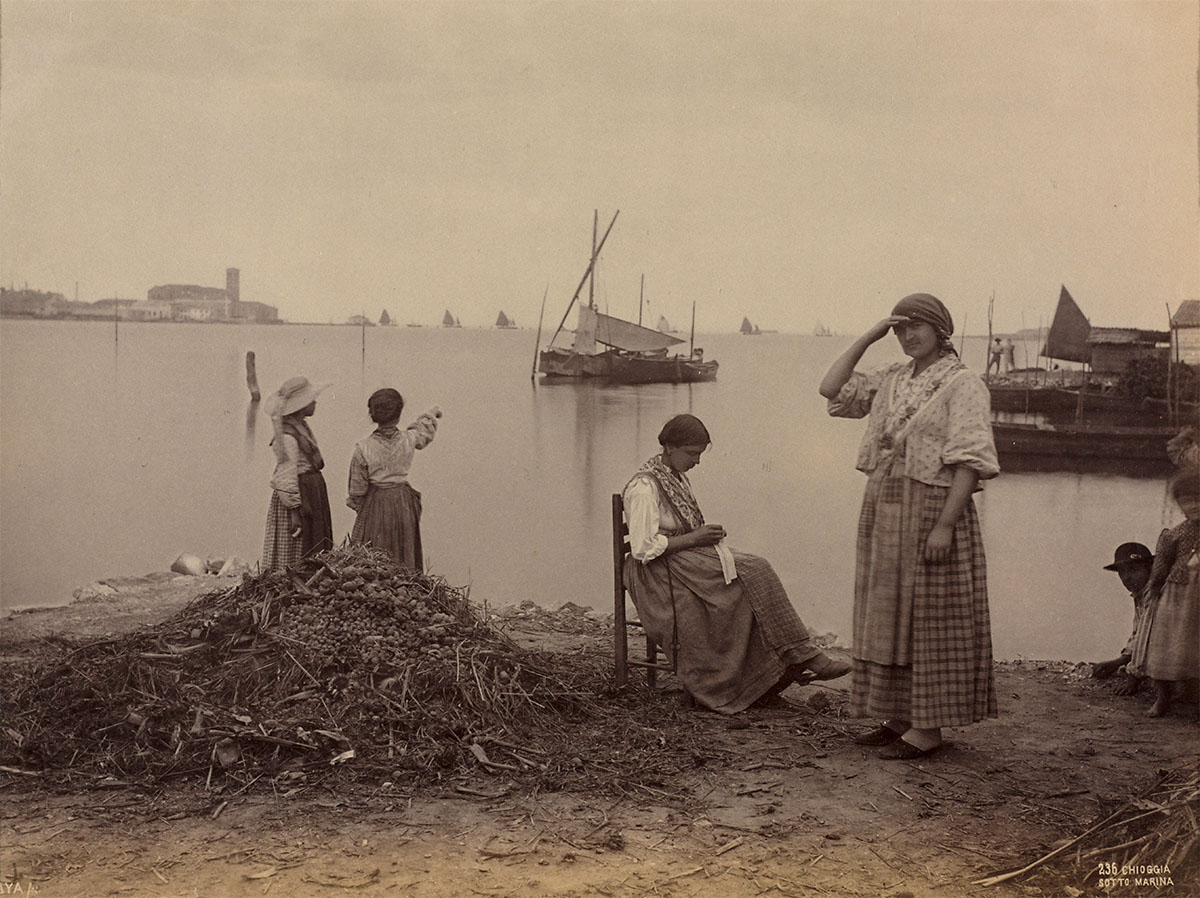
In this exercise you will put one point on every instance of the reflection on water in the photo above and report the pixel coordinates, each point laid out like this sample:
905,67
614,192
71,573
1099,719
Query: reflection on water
117,479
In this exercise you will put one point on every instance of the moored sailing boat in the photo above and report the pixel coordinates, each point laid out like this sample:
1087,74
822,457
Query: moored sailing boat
609,347
1133,436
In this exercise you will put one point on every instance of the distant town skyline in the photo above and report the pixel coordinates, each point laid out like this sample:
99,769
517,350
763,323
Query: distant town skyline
792,163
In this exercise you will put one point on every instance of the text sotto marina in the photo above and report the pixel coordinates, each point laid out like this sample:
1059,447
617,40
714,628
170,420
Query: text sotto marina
1126,875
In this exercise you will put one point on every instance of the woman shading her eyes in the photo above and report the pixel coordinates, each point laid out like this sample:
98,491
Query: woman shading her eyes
922,650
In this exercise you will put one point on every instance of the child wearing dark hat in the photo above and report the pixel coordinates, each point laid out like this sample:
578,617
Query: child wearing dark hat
389,509
1167,644
1132,563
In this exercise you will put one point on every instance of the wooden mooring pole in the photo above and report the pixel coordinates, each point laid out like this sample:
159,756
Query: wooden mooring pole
252,377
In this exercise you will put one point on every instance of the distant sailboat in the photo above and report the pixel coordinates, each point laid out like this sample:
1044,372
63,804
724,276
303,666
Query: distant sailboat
449,320
504,321
664,326
385,319
748,329
822,331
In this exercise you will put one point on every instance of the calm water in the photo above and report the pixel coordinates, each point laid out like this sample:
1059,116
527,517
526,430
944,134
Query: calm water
116,458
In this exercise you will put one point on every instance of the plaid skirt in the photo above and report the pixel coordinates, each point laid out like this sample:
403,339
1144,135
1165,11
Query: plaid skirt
729,642
281,550
922,632
390,519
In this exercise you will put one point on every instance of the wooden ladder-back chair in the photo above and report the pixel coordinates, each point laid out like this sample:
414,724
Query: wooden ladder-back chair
621,626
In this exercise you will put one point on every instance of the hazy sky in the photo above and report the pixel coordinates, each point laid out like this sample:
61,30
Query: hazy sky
786,161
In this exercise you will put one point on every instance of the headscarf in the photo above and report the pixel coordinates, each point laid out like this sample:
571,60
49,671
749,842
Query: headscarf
928,308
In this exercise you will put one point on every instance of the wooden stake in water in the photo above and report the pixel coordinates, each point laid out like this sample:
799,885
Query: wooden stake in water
362,318
252,377
537,343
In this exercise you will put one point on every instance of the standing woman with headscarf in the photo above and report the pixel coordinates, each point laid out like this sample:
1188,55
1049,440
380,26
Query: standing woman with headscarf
922,635
298,519
388,508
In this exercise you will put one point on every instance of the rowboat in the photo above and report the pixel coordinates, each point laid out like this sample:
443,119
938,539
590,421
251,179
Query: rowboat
1073,441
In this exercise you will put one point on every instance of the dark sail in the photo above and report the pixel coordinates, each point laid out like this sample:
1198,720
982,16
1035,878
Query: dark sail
1068,337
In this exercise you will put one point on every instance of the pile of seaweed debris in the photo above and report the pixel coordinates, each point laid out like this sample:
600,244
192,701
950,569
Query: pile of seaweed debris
1149,845
347,669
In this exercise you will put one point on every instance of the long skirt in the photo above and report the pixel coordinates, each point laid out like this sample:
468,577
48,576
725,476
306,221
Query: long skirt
922,631
1165,644
315,518
390,519
729,643
281,550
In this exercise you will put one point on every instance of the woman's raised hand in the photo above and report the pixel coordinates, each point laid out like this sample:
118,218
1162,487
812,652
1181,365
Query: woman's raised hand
708,534
839,372
879,330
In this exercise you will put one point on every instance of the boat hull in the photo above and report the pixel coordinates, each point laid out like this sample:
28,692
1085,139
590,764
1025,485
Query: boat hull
1083,441
1064,400
670,370
565,363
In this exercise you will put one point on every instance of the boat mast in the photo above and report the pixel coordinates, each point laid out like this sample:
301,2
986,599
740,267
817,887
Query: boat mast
987,377
1172,347
692,342
592,277
583,280
641,293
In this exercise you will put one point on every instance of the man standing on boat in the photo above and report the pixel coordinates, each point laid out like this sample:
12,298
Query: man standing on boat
995,356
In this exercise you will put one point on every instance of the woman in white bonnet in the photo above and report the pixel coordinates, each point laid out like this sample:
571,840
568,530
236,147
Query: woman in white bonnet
298,518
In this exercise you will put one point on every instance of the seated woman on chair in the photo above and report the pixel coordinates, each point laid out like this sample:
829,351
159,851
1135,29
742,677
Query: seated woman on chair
722,617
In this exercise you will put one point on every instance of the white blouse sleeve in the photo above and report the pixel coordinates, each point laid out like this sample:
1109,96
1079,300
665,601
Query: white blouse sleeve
641,514
969,439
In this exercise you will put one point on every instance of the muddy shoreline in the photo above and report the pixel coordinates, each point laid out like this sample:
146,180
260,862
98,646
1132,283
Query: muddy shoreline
769,808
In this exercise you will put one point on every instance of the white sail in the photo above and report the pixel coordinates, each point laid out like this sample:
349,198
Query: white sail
596,327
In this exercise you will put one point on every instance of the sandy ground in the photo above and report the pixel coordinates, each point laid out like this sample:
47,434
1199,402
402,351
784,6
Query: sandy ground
767,810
